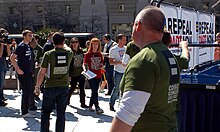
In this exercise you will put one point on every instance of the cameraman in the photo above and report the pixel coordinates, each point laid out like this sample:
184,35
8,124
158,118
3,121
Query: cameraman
4,52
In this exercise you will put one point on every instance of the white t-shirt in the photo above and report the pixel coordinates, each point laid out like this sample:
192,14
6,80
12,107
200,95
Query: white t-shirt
117,53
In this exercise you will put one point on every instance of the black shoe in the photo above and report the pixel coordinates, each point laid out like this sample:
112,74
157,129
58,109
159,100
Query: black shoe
99,111
84,106
91,109
112,108
108,94
3,103
5,99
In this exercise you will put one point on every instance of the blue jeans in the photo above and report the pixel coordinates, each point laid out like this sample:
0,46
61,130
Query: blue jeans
52,96
3,69
94,84
115,91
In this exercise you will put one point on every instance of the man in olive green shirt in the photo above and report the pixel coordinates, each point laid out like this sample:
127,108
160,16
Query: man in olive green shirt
130,52
183,59
150,81
55,66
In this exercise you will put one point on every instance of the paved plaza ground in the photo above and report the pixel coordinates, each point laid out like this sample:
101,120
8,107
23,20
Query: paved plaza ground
77,118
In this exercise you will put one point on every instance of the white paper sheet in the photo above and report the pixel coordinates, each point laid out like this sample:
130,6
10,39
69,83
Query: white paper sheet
89,74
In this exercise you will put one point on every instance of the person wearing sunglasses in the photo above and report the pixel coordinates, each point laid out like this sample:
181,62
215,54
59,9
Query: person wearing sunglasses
75,71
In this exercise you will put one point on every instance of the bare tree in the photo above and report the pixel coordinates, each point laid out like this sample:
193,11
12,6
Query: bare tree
16,20
11,24
22,7
93,24
70,22
50,15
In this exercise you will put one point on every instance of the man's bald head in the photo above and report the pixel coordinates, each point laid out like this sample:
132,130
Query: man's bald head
152,17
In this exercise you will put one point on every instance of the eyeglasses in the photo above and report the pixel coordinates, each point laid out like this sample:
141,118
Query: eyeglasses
74,42
30,35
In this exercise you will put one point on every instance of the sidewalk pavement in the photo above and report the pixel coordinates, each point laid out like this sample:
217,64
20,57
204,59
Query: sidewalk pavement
77,118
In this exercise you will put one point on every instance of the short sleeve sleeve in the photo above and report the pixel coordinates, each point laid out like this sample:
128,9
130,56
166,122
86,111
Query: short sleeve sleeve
45,61
18,50
140,76
127,50
85,60
102,60
111,53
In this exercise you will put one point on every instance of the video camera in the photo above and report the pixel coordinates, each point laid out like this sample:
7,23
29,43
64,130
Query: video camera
4,36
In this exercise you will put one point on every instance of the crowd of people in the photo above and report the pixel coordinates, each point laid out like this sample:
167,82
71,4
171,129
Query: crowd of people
144,75
51,69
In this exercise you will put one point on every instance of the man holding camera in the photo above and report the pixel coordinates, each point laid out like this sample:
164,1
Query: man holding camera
4,52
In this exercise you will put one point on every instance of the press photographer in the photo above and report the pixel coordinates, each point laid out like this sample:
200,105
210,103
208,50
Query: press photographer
4,52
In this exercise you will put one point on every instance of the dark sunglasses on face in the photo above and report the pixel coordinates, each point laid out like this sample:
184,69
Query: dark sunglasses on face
74,42
30,35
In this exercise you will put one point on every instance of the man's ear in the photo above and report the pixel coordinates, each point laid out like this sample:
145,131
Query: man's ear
138,26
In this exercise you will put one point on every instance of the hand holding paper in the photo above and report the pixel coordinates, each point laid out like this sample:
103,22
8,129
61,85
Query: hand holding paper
89,74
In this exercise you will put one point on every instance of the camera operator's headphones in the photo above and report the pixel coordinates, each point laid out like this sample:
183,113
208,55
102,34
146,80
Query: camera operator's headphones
2,30
3,33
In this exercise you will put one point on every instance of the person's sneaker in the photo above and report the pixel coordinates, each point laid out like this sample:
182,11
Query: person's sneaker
3,103
112,108
99,111
91,109
76,91
84,106
28,115
101,91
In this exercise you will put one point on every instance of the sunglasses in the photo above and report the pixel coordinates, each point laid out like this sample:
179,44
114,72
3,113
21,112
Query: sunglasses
74,42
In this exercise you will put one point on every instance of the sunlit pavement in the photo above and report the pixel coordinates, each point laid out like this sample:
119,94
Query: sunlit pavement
77,118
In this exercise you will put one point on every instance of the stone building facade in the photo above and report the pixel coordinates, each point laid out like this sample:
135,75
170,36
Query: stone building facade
98,16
